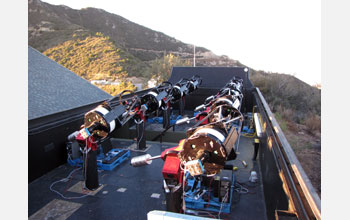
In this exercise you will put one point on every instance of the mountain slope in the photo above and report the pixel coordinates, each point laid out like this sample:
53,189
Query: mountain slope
289,92
93,58
60,22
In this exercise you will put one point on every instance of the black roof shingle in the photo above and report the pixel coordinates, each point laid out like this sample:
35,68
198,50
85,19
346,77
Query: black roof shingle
52,88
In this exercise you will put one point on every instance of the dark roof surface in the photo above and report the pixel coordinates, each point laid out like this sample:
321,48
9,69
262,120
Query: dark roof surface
139,184
52,88
212,77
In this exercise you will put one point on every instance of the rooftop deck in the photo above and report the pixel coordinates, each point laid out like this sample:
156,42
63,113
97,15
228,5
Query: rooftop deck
127,192
130,193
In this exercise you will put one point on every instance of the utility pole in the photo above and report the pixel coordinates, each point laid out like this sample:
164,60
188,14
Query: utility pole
194,55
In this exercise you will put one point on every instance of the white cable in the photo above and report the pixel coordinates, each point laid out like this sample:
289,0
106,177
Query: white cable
65,180
208,213
183,191
138,142
85,161
242,189
222,203
69,158
71,173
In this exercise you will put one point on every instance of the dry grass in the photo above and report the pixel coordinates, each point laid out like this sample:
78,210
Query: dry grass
305,139
306,146
313,123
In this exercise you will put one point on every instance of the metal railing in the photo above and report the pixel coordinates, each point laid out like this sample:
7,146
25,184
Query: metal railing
305,201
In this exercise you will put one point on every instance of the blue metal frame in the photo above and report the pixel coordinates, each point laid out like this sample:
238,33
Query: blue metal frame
159,120
111,154
212,205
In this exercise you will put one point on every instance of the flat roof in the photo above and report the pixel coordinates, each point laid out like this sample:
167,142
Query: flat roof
131,192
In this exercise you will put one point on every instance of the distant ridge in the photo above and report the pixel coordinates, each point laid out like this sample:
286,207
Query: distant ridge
50,25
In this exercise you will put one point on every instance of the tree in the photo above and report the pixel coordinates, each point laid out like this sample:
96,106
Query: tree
117,89
161,67
93,58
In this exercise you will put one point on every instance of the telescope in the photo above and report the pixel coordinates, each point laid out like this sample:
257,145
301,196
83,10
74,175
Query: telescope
211,142
101,121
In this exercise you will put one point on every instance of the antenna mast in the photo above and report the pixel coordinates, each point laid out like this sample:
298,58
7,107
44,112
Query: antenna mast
194,55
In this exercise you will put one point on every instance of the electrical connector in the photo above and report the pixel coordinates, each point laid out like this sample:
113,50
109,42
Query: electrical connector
194,167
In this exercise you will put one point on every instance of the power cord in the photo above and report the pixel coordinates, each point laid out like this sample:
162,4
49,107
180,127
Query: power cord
65,180
69,177
240,189
222,203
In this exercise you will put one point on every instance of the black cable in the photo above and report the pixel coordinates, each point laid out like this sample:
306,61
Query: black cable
165,82
236,197
163,132
248,184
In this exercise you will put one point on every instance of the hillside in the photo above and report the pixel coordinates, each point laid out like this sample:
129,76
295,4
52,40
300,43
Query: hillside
47,21
50,25
282,90
91,57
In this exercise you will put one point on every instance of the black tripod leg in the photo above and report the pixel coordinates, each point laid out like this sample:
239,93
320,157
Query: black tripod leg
141,139
173,201
182,106
166,117
91,174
